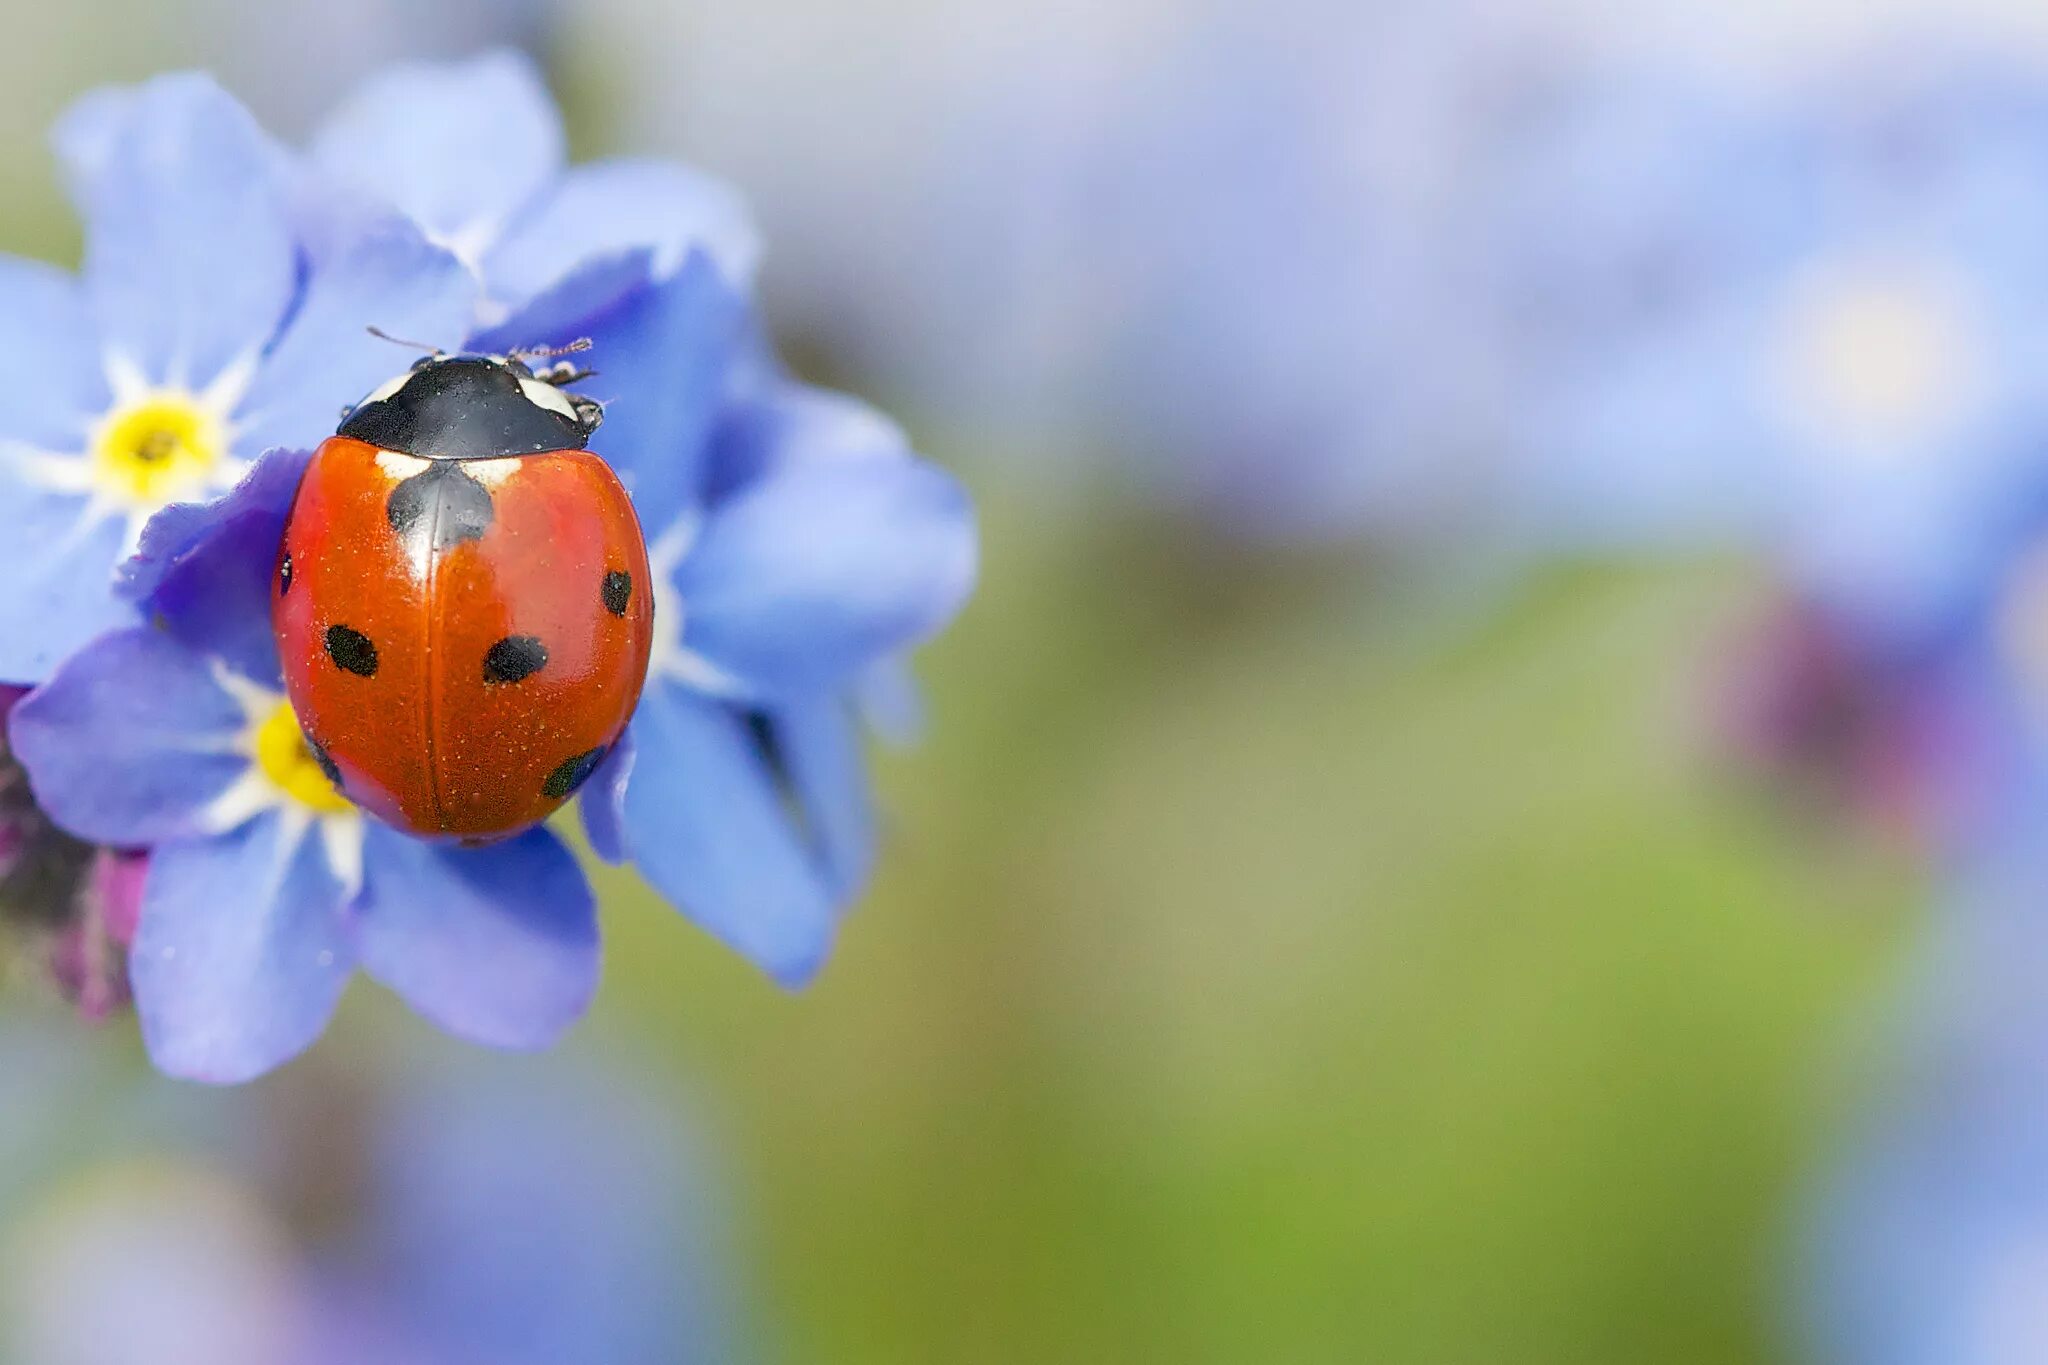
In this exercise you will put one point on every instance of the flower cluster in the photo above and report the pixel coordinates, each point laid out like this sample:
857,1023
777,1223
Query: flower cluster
219,323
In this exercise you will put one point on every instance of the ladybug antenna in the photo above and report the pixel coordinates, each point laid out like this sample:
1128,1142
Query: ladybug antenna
382,335
562,372
576,347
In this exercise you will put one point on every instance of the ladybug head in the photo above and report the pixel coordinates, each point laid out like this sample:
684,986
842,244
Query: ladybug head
475,407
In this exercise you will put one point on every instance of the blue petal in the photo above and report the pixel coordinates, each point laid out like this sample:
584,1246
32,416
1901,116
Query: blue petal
204,570
802,580
603,803
43,313
189,260
497,945
243,950
819,743
460,147
710,832
387,276
56,577
664,356
573,307
890,701
598,1245
130,741
788,424
615,206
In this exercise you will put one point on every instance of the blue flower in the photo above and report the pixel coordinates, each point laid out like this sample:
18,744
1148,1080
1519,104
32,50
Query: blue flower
266,889
1928,1245
473,153
479,1212
1811,327
797,546
529,1216
203,329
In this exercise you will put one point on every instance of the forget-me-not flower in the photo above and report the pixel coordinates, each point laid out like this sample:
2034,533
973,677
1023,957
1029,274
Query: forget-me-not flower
203,329
267,889
799,550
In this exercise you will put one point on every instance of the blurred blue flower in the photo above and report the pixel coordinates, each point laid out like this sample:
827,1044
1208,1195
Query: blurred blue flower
266,889
201,331
473,152
1929,1244
798,547
463,1213
1813,326
1209,254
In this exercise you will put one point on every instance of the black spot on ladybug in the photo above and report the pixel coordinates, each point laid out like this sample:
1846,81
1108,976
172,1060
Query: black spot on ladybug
514,659
326,762
618,591
352,651
284,574
439,507
572,773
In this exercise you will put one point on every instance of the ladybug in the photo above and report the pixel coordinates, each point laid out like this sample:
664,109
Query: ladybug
461,599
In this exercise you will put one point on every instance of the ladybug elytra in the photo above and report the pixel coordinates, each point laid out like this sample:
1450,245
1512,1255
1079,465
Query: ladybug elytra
461,599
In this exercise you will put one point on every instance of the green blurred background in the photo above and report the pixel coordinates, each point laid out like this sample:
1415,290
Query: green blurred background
1254,977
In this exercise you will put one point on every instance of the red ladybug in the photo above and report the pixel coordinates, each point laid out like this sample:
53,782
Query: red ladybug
461,599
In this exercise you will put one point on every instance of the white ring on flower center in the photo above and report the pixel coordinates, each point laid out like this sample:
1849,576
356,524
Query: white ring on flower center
254,792
83,473
1877,356
671,658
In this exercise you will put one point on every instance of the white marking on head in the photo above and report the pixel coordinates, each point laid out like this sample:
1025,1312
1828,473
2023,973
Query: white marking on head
547,396
387,388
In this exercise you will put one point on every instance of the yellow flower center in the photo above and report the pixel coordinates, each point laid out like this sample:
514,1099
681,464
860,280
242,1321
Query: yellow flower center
158,448
287,759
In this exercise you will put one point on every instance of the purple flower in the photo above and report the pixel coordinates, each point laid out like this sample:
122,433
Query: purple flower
266,889
204,329
74,904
